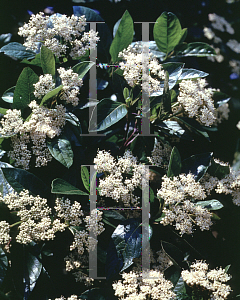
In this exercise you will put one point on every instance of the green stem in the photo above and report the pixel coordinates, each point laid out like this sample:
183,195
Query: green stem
15,224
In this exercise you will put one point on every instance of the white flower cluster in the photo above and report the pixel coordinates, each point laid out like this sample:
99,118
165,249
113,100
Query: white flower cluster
114,185
71,86
160,155
72,297
234,45
43,86
58,33
197,100
132,66
34,214
220,23
235,66
177,193
4,232
222,113
43,123
135,287
238,125
211,280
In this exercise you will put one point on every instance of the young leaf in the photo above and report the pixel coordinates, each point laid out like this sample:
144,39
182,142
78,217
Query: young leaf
123,37
82,68
210,204
35,62
175,165
24,89
167,32
61,150
47,61
17,50
108,113
51,94
194,49
85,177
8,95
60,186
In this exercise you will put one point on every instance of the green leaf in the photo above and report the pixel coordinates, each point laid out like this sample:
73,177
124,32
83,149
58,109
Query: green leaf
3,111
51,94
210,204
183,35
3,265
173,253
34,62
123,37
194,49
227,268
82,68
24,89
47,61
17,50
180,289
108,113
167,32
175,165
191,74
20,179
166,97
60,186
125,93
8,95
6,188
85,177
61,150
218,170
96,294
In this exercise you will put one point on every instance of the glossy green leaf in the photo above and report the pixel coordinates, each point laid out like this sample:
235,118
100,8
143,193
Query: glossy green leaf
20,179
123,37
179,288
194,49
82,68
85,177
174,253
167,32
47,61
210,204
60,186
96,294
61,150
175,165
184,33
108,113
24,89
17,50
6,188
51,94
3,265
8,95
35,62
191,74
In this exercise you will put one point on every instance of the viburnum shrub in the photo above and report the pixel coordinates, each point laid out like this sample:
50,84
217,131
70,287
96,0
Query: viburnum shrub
119,197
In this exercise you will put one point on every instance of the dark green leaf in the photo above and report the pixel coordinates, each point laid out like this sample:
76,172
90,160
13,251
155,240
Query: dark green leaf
98,294
123,37
166,97
85,178
174,128
3,265
179,288
175,165
47,61
197,164
227,268
167,32
51,94
210,204
108,113
173,253
5,186
151,196
17,50
191,74
218,170
194,49
24,89
60,186
183,35
8,95
82,68
35,62
20,179
113,214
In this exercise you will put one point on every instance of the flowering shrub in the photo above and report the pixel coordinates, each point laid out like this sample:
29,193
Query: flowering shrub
104,187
